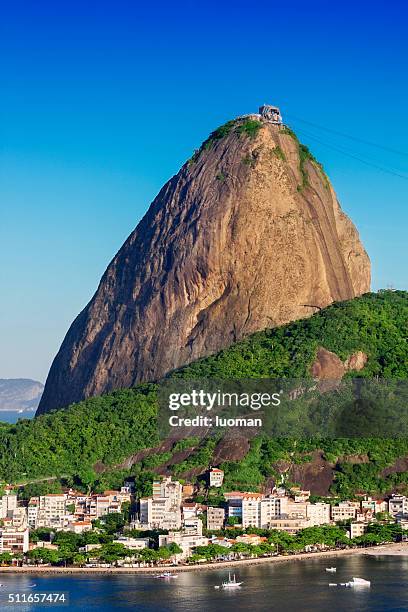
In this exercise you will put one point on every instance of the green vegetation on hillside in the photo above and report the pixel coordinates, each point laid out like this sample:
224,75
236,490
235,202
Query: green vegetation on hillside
304,156
242,127
83,443
375,324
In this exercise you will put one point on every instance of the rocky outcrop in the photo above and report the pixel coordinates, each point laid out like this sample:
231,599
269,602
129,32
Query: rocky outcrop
329,367
248,235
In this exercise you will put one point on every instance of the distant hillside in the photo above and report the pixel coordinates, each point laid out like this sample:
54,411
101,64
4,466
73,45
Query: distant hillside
20,394
101,439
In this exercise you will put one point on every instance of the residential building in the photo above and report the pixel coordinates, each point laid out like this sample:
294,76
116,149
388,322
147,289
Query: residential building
357,528
186,542
14,539
250,538
235,505
32,512
168,489
18,517
296,509
216,477
343,511
299,495
290,525
398,506
375,505
80,526
163,509
319,513
51,510
133,543
215,518
250,511
190,510
269,508
192,526
7,502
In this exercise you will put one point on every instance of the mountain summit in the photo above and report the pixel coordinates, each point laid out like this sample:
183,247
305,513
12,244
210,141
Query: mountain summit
248,235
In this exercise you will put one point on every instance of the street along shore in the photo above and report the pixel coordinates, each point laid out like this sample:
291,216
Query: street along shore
49,569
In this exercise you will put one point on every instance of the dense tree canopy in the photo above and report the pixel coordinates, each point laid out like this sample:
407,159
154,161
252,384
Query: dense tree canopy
83,444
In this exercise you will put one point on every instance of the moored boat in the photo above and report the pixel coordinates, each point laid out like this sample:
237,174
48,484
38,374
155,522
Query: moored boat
231,583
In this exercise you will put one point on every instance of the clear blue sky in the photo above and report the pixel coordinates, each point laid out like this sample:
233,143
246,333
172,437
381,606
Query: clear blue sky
101,102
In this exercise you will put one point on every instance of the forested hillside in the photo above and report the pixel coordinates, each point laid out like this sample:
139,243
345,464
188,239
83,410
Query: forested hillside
84,443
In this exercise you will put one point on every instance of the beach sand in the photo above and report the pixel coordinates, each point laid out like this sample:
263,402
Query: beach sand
393,550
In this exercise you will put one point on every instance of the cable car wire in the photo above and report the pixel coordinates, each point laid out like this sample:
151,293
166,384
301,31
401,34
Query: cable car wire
352,155
355,138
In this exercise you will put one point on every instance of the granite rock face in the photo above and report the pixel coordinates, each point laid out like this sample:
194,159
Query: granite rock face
248,235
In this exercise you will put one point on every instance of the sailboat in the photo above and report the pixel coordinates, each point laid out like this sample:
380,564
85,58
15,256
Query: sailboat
231,583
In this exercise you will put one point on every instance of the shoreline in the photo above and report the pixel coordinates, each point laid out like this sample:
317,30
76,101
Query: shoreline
392,549
181,568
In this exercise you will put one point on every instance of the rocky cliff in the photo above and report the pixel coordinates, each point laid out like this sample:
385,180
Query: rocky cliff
249,234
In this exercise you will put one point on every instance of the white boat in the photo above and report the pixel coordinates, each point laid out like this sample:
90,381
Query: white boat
331,569
231,583
332,583
167,575
358,582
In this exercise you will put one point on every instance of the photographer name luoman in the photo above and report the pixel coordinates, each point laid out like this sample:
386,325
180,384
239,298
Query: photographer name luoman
205,421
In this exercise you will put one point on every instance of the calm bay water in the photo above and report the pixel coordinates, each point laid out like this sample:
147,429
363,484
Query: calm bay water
12,416
287,586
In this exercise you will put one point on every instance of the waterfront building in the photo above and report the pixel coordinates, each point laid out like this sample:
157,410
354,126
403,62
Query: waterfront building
133,543
14,539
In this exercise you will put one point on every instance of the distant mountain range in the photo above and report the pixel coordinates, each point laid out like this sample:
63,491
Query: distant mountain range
20,394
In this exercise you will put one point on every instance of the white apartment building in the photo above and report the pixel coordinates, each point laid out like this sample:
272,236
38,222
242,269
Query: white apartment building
319,513
32,512
300,495
163,509
216,477
398,505
250,511
53,508
343,511
186,542
7,503
270,508
169,489
133,543
357,528
235,501
14,539
192,526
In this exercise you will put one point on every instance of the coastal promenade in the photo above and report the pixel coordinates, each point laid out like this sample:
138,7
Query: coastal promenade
399,549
